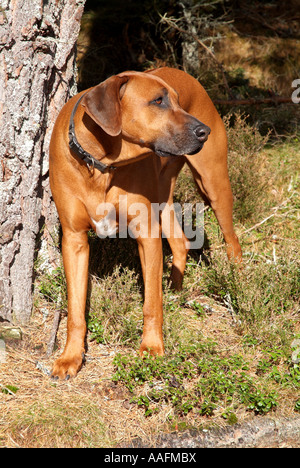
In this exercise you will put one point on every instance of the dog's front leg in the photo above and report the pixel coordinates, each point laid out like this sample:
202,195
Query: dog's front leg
150,251
75,250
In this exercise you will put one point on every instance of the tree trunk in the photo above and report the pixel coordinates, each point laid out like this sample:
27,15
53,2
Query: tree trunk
37,76
190,47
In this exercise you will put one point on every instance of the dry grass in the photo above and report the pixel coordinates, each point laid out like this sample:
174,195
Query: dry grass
268,63
89,411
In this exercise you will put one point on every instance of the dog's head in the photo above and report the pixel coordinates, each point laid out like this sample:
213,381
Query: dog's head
145,111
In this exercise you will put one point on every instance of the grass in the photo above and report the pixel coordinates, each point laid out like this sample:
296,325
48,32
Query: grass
76,424
231,335
115,313
248,167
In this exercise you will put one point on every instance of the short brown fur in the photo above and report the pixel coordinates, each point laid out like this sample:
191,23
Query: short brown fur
123,123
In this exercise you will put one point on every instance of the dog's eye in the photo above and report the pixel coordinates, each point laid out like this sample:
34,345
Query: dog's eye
158,101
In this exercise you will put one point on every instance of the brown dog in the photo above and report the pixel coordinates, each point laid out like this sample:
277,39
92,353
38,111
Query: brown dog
130,136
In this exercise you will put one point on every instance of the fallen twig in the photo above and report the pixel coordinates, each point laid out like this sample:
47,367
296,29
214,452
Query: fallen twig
257,224
276,208
253,101
55,325
229,306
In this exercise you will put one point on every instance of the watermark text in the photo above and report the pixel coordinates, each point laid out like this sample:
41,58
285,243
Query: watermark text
140,220
296,93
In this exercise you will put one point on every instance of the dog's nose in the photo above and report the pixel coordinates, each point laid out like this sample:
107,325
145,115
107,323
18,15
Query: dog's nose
202,132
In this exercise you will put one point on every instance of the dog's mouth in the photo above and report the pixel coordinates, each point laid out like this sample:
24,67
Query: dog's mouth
166,154
196,151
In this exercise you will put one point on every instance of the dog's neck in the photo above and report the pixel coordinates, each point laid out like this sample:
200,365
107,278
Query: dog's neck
102,151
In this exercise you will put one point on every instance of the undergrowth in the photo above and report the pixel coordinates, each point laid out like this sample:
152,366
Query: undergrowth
197,379
115,309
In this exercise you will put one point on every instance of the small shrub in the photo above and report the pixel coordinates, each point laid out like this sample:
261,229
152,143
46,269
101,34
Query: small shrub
247,167
115,309
257,293
193,380
52,287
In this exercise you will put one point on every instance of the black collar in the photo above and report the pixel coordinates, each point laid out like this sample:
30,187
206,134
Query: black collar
79,151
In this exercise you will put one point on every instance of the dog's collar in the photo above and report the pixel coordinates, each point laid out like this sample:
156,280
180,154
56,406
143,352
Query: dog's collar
79,151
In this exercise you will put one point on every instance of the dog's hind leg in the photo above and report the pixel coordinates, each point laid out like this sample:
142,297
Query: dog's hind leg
170,226
178,243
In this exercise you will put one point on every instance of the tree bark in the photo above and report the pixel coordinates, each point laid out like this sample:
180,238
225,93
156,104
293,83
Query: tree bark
37,76
190,47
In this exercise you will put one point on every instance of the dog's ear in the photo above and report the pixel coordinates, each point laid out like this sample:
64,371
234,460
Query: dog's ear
103,104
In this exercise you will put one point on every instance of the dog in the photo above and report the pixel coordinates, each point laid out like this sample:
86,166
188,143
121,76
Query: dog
129,137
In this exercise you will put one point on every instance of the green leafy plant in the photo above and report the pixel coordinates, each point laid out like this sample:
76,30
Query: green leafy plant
261,403
52,287
9,389
192,382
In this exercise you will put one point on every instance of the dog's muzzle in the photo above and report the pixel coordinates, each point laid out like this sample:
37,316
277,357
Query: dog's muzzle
189,140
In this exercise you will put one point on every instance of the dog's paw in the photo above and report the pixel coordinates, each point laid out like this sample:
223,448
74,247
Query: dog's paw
152,348
66,367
